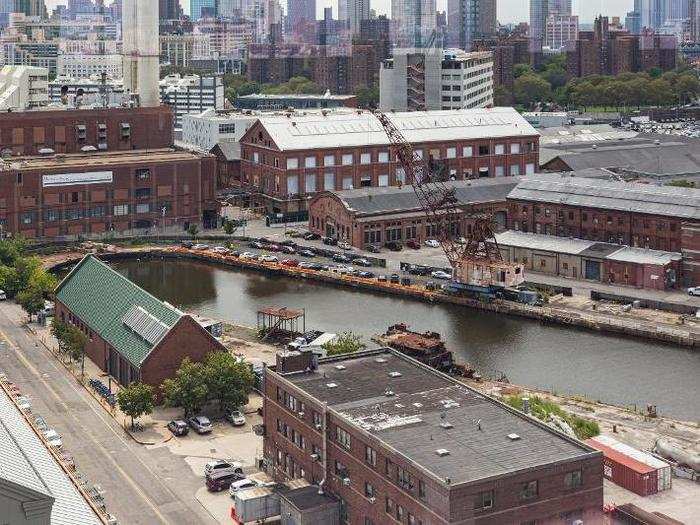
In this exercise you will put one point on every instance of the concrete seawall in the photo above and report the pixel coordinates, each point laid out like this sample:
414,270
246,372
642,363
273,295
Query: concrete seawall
546,314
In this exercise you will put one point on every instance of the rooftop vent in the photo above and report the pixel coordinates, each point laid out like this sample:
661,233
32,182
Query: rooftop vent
394,374
446,425
513,437
380,360
331,385
388,392
442,452
339,367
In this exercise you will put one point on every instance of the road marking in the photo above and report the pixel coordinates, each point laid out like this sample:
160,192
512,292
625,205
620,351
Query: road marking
58,398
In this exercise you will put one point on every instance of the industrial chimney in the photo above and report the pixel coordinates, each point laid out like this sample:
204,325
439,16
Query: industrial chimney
141,50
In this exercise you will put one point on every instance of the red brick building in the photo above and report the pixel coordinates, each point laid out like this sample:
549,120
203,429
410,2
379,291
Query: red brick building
69,131
374,216
288,159
639,215
131,335
397,442
93,193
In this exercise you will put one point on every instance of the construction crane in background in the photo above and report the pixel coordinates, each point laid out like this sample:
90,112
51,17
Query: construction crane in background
477,264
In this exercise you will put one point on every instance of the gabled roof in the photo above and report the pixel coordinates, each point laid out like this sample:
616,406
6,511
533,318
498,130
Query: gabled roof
125,315
610,195
336,129
28,472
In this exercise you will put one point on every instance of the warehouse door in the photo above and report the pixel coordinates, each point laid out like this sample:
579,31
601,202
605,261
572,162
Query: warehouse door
592,270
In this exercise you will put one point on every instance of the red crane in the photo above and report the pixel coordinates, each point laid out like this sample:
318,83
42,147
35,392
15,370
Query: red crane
478,261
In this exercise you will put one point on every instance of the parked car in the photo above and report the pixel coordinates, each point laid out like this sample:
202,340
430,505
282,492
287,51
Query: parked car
187,244
418,270
344,246
200,247
406,281
40,424
339,257
439,274
330,241
307,253
248,255
273,247
394,246
200,424
53,438
312,236
220,249
219,483
366,275
223,467
362,262
432,243
241,485
235,253
178,427
413,244
382,278
395,278
257,245
372,249
288,249
24,404
267,258
235,417
430,285
289,262
695,290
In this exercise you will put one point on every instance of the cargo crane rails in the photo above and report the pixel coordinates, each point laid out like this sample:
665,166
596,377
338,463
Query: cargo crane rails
477,264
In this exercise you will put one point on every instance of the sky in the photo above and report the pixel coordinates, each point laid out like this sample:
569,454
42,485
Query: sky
508,10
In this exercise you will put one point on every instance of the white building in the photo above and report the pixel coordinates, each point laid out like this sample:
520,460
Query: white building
205,130
23,87
191,94
436,79
561,31
85,66
94,92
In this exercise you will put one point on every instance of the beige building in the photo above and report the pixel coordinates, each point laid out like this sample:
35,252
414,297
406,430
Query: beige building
23,87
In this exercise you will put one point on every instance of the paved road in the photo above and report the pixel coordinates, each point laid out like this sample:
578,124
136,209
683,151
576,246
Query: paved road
143,486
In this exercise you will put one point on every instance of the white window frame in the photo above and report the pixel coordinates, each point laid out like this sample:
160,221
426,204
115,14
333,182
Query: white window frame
329,160
329,176
292,163
310,162
347,159
467,151
383,181
383,157
515,148
365,158
451,153
500,149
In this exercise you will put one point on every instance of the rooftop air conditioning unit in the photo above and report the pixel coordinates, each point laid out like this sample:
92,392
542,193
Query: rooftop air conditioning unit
314,457
346,481
319,426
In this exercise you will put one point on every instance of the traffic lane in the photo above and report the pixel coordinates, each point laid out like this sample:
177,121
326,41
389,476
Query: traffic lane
135,492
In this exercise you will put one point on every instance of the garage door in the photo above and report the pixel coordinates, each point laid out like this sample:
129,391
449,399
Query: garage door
592,270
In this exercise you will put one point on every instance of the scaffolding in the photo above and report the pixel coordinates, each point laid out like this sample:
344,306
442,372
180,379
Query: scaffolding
280,321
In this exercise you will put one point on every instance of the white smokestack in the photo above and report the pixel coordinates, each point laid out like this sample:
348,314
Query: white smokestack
141,50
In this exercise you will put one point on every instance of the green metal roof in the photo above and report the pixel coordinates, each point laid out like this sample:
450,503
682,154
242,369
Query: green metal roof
101,298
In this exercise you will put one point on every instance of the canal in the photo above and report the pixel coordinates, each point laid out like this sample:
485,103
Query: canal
606,368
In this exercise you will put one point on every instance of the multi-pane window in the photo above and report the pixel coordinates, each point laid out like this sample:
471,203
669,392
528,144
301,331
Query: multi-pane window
371,456
342,437
467,151
366,158
370,491
383,157
121,209
310,162
528,490
329,160
347,159
500,149
451,153
292,163
573,479
403,478
515,148
318,419
484,500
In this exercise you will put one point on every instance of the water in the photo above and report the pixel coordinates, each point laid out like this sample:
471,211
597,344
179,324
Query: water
607,368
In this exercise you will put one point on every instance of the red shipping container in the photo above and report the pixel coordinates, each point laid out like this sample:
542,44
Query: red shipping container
627,472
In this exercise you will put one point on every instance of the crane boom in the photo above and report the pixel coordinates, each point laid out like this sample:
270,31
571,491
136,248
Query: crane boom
476,261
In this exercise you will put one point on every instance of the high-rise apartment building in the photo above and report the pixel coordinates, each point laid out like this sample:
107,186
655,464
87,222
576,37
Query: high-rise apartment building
652,12
562,31
169,9
559,7
352,12
694,14
633,22
414,21
301,14
539,11
469,20
202,9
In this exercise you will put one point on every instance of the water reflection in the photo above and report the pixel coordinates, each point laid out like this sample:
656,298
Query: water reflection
613,369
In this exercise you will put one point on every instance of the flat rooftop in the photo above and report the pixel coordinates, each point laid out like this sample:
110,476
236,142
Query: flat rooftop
430,411
96,159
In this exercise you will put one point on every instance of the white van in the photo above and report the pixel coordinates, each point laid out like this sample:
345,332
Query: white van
3,295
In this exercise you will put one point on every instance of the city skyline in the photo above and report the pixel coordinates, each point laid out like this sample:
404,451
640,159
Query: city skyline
508,10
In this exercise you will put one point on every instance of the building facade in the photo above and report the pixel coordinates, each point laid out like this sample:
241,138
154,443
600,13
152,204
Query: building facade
375,216
23,87
413,21
335,423
561,32
191,94
286,160
85,66
421,79
470,20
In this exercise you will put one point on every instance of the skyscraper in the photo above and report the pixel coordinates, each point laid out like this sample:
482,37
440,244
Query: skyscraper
559,7
414,21
652,12
468,20
202,8
694,14
169,9
539,11
352,12
300,13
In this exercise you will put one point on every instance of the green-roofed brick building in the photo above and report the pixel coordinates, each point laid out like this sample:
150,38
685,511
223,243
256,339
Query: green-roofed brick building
132,335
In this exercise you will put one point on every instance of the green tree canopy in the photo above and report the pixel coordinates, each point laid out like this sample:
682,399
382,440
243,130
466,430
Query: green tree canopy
229,381
31,300
345,343
530,89
368,97
136,400
188,389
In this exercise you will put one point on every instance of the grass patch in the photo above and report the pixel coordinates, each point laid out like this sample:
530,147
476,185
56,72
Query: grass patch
542,410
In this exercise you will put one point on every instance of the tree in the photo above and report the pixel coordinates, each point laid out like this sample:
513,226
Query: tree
681,183
31,300
368,97
530,89
188,389
59,329
522,69
229,381
75,342
193,230
345,343
230,227
135,400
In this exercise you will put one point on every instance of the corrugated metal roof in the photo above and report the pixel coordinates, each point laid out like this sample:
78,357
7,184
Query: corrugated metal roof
634,453
361,128
619,457
101,298
622,196
25,461
642,256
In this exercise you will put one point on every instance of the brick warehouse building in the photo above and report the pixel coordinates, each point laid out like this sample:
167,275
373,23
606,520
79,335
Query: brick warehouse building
374,216
396,441
92,193
131,335
68,131
639,215
288,159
